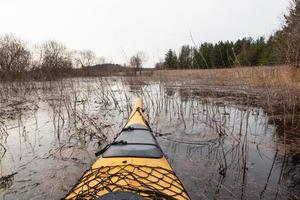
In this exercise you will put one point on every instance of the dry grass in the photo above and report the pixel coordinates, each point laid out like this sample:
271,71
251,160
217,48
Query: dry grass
252,76
276,89
271,85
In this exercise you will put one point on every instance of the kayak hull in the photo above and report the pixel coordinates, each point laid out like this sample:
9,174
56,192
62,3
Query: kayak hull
133,163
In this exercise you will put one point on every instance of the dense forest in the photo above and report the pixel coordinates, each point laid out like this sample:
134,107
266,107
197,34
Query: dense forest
283,47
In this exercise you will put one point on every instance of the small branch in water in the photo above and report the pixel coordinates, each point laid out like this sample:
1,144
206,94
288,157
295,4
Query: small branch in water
4,150
6,181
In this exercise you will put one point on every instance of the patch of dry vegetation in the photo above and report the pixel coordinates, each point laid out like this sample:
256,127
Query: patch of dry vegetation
276,89
244,76
282,81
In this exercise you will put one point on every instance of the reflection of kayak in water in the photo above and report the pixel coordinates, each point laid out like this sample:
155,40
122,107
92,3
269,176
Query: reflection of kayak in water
132,167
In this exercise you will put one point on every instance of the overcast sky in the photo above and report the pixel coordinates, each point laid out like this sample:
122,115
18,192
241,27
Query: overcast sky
116,29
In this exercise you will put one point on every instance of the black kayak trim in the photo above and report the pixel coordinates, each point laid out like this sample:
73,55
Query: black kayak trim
133,141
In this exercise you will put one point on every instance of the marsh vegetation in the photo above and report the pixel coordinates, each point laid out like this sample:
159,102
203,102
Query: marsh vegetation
229,134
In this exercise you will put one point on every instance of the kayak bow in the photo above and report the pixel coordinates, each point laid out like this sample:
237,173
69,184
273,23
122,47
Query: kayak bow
132,167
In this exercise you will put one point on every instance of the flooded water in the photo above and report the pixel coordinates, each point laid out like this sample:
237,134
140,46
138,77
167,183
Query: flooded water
219,147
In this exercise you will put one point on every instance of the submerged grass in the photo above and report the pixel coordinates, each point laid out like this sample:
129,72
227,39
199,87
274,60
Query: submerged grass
275,89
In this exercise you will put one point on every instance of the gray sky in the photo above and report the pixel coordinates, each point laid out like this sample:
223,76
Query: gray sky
116,29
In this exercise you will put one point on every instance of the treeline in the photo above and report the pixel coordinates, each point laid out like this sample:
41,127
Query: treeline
283,47
222,54
52,60
46,61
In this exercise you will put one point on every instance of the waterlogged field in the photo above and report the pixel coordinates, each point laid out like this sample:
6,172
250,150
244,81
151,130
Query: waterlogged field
223,144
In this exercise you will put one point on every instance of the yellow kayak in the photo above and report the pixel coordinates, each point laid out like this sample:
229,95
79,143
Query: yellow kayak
132,167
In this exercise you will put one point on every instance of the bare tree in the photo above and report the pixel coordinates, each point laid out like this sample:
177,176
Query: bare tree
55,59
137,61
85,58
14,57
37,53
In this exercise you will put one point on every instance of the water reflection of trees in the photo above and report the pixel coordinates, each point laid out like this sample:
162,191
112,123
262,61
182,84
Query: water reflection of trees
289,176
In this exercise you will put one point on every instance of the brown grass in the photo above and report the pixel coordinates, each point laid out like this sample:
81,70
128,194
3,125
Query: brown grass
251,76
276,89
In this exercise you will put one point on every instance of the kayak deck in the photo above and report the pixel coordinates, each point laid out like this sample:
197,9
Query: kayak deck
133,163
135,141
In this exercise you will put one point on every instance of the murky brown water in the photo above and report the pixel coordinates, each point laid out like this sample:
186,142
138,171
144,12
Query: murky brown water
221,149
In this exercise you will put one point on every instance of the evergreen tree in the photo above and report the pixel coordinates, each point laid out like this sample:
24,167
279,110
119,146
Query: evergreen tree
185,57
281,48
171,61
287,40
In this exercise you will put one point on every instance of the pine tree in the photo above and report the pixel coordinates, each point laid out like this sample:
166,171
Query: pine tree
185,57
171,61
287,40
